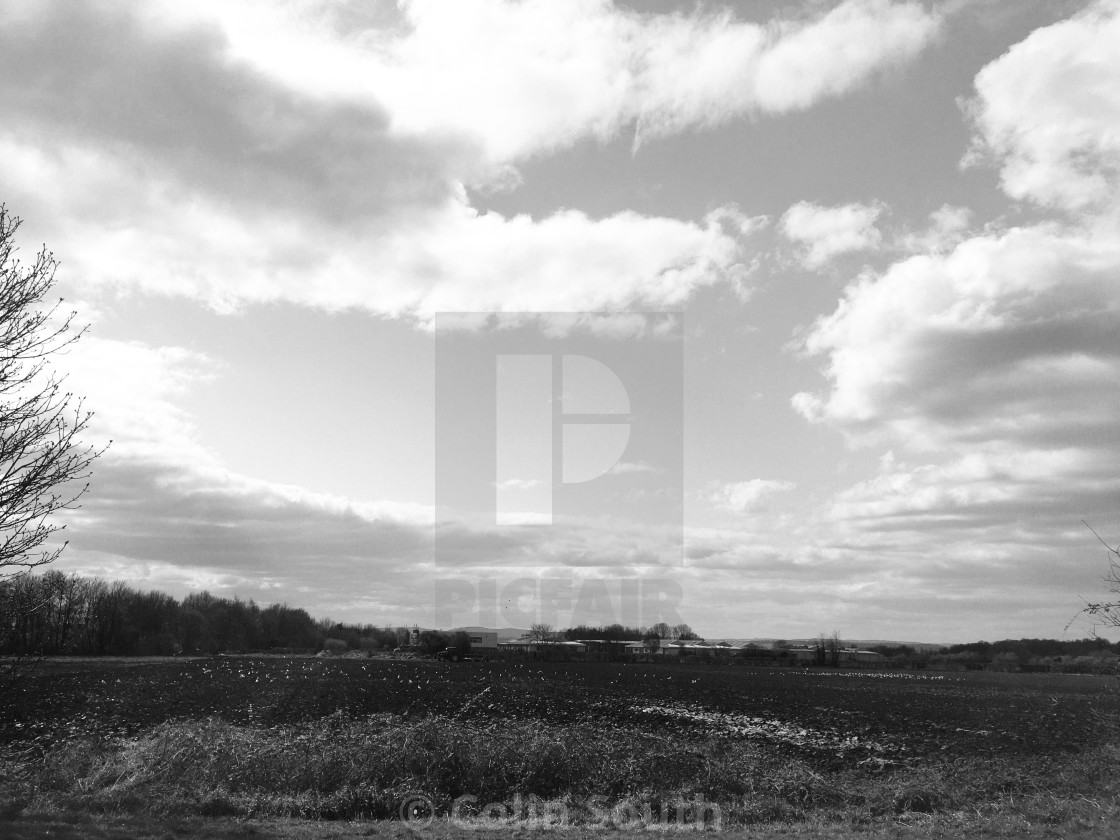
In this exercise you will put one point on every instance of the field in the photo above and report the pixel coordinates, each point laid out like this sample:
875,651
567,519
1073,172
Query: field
239,738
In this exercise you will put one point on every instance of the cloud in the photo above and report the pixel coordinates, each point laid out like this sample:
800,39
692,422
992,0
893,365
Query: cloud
174,103
520,79
994,371
1047,111
213,519
551,74
989,364
180,150
827,232
567,261
178,527
165,511
448,257
133,390
156,154
746,496
981,490
841,50
991,341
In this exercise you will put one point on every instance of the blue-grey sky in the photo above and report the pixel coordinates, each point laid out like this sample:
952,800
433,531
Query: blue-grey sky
891,230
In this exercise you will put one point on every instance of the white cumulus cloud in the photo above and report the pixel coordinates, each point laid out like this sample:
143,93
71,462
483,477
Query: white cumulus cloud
1049,109
826,232
534,76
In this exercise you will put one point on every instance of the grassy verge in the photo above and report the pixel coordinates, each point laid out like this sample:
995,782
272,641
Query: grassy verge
140,827
582,776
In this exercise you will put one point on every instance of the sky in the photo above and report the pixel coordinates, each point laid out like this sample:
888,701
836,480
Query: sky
846,275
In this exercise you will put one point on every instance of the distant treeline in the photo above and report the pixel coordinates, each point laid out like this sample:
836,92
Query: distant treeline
1024,649
1092,655
55,613
1037,647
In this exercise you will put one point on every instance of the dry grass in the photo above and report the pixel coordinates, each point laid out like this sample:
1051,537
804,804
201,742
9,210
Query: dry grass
340,769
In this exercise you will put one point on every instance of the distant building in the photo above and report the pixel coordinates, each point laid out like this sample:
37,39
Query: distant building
529,648
484,642
851,656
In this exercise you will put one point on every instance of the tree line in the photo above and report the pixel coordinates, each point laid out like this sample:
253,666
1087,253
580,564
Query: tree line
1023,649
55,613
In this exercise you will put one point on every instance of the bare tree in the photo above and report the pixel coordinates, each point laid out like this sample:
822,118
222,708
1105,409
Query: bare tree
652,640
684,633
1105,612
827,649
433,641
655,635
834,647
541,632
43,465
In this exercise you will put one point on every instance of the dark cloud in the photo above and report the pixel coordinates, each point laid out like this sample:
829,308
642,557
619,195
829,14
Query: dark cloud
165,514
175,101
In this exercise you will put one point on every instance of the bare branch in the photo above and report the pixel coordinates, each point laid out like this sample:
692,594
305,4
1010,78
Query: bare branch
1104,612
44,466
